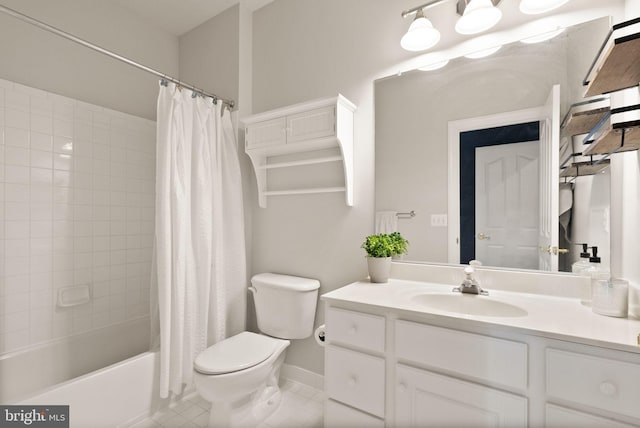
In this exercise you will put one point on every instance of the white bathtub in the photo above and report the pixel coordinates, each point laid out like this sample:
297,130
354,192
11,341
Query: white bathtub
115,396
28,372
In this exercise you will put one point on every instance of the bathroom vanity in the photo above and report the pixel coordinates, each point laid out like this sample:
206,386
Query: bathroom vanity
412,352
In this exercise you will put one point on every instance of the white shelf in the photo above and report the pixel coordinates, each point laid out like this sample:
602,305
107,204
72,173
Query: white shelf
304,133
302,162
305,191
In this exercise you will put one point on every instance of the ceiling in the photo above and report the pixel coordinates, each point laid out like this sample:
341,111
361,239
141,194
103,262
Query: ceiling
178,17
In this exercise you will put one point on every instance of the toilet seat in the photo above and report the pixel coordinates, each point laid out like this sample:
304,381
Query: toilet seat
239,352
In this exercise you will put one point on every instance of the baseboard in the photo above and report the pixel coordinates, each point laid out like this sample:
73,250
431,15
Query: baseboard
304,376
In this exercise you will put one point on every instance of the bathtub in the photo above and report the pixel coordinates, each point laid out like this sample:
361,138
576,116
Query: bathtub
30,371
115,396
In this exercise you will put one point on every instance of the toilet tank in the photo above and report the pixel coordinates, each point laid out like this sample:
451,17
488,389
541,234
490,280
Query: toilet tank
285,305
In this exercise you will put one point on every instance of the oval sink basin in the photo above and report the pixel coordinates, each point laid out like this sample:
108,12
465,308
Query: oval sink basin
469,304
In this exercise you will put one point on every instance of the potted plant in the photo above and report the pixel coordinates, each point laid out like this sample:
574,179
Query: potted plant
380,249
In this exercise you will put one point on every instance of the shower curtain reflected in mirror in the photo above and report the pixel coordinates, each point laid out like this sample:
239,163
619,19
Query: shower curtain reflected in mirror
199,272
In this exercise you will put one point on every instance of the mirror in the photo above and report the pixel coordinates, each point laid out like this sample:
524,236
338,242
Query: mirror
413,113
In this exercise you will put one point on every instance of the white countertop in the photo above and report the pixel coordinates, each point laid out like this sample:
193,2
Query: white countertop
548,316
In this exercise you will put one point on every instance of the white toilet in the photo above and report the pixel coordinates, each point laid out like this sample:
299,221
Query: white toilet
239,375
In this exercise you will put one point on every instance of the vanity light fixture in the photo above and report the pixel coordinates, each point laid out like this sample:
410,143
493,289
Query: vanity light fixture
543,37
434,66
421,35
483,53
477,16
534,7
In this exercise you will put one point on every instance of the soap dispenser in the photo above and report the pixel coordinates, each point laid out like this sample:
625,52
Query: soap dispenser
583,263
595,272
587,268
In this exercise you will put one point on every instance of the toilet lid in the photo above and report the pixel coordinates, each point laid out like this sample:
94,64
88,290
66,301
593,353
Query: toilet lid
235,353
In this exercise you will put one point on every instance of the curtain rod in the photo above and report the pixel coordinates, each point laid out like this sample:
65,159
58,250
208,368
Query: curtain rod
68,36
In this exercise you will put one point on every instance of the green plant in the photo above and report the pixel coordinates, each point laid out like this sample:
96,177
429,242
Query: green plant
385,245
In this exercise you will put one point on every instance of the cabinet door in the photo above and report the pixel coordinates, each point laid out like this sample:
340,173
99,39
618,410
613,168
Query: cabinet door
266,133
426,399
312,124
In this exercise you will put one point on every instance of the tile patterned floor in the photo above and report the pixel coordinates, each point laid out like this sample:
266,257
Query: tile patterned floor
301,407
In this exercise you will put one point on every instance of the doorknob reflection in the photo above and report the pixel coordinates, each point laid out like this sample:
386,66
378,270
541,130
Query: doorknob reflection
554,250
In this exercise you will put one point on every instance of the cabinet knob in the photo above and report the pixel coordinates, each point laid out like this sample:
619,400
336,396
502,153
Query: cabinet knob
353,330
608,388
402,387
352,381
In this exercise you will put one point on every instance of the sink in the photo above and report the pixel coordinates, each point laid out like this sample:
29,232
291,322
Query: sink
469,304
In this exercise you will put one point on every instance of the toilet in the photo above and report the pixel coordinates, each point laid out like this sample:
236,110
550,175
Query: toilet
239,375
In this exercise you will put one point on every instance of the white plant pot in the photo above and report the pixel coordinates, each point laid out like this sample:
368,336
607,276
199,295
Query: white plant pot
379,268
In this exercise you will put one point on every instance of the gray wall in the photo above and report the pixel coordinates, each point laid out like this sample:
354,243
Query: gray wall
39,59
305,49
209,55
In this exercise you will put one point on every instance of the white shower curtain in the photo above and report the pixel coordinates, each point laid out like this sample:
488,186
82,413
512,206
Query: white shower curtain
199,268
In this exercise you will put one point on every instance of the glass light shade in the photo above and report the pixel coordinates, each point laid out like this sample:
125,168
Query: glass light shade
534,7
543,37
420,36
478,16
483,53
435,66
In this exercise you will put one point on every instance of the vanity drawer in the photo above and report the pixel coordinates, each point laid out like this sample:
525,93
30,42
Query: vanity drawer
482,357
597,382
355,379
355,328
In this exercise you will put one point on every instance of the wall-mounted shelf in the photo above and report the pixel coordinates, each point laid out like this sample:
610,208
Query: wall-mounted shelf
619,133
611,141
582,117
616,66
579,169
305,131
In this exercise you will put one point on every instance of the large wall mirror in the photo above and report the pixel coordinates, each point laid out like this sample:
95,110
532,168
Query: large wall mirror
415,113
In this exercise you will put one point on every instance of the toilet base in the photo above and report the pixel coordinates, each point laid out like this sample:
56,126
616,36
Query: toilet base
246,413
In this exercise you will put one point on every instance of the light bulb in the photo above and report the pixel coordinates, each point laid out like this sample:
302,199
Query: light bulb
483,53
421,35
543,37
434,66
534,7
478,16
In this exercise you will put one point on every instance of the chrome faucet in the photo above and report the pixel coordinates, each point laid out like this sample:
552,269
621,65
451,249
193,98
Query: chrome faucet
470,285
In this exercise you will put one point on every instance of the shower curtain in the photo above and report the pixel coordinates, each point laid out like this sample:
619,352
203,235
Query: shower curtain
199,269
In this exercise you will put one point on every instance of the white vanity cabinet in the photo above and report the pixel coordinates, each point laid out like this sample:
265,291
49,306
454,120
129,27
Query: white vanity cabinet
387,367
300,138
355,358
584,381
427,399
424,397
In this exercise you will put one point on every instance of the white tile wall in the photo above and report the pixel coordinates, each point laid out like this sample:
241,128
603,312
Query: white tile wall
77,186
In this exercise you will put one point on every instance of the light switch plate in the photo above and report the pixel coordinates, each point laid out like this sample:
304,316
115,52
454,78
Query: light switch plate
438,220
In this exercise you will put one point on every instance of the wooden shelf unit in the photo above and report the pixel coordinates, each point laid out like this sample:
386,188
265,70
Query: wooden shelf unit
610,141
579,169
582,117
616,66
